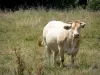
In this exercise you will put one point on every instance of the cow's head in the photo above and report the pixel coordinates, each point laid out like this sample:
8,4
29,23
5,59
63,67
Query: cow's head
75,26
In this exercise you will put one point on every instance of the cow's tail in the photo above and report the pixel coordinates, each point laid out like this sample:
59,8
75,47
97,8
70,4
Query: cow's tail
40,43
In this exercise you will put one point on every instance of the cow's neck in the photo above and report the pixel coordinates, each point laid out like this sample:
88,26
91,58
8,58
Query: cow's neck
73,43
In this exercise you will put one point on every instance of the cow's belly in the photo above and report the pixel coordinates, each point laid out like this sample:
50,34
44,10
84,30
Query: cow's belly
53,47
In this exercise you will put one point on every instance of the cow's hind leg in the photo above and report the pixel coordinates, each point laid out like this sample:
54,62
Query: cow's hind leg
55,58
48,54
47,51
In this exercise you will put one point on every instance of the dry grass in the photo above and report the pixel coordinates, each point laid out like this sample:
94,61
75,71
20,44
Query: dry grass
20,30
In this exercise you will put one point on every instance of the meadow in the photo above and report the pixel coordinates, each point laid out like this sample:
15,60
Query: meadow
21,55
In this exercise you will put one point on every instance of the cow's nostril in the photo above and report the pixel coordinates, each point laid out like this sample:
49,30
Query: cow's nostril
76,35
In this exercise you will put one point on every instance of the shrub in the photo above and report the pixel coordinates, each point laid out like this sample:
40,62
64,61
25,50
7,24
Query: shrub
94,5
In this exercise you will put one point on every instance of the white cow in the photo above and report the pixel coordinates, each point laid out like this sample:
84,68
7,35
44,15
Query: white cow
59,37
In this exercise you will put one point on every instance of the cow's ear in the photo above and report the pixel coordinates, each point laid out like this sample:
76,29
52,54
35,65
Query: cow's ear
82,24
67,27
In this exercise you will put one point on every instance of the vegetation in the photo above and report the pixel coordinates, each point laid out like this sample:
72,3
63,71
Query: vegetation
94,5
20,54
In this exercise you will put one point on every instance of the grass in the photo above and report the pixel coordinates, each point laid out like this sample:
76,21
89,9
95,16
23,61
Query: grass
20,30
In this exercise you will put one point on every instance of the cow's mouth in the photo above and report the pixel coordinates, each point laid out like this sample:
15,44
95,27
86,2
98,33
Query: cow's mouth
76,37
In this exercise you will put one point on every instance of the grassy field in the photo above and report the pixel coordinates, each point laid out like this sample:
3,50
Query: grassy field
20,54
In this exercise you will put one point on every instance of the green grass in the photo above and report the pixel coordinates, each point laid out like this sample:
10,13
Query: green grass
20,30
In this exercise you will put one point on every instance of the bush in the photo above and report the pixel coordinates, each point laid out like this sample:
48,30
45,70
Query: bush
94,5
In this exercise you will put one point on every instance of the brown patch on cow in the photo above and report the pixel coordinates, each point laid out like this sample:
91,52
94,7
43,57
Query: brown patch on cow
75,24
62,38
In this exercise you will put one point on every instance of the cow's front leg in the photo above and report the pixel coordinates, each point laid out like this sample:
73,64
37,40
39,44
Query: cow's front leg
61,52
72,59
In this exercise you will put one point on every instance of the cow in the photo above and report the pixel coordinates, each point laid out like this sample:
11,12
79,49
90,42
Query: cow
60,38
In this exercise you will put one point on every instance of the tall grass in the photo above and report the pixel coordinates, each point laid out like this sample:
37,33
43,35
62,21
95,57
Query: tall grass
21,29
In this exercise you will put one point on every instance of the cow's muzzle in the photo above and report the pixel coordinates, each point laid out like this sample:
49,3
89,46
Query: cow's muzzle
76,35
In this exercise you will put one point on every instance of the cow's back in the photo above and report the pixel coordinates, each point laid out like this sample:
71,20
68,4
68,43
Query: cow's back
53,24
